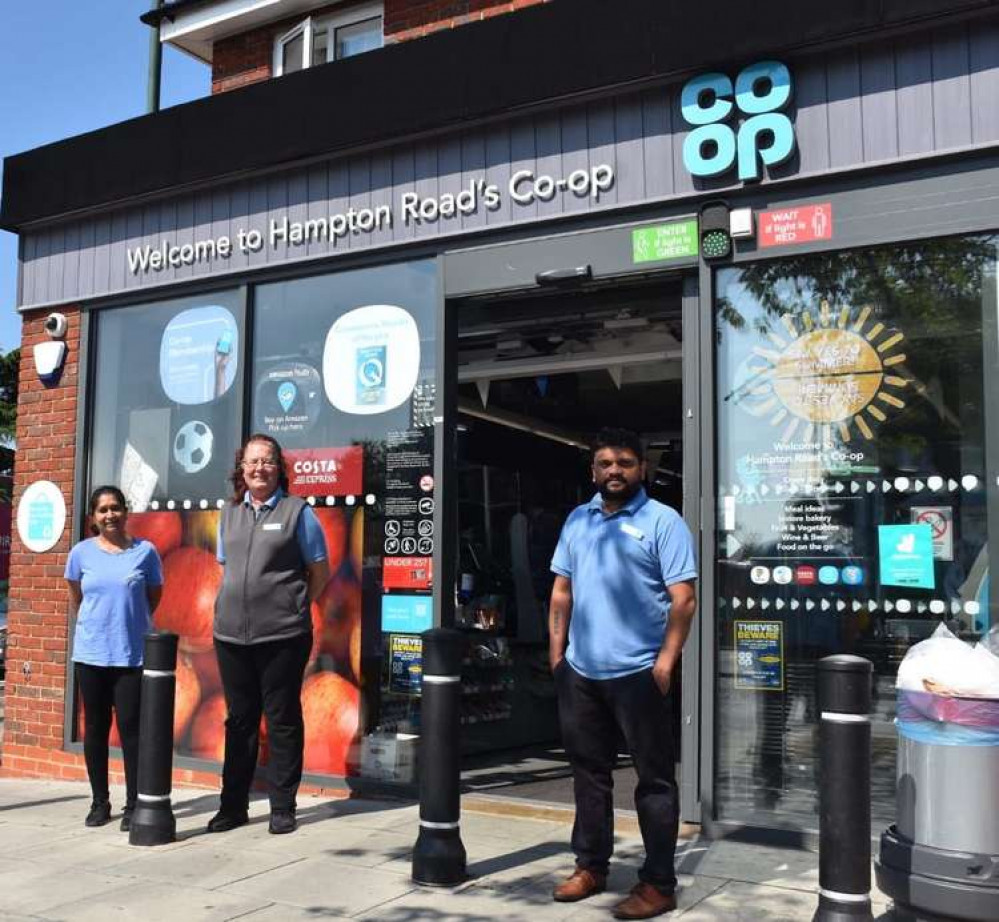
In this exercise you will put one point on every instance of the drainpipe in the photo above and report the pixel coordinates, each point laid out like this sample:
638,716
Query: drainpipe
155,65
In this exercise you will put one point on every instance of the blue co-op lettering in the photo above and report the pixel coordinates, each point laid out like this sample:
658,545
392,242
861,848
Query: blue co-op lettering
763,137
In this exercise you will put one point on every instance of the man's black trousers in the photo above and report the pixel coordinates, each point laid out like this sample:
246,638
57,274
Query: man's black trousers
263,678
591,713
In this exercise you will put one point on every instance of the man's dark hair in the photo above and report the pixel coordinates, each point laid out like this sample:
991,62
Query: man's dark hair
619,438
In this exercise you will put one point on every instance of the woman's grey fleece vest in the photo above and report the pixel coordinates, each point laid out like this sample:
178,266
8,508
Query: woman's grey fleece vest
265,593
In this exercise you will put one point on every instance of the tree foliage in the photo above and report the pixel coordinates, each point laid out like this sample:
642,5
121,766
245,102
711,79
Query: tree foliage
9,366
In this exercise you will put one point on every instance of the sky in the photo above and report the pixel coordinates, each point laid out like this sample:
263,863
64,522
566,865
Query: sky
68,67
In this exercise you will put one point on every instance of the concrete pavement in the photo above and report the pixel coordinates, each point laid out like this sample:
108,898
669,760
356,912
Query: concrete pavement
350,859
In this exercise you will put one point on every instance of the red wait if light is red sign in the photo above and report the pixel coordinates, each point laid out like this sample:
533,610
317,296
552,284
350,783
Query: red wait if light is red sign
789,226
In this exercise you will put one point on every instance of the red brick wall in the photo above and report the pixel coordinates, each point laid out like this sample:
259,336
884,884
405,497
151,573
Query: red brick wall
248,58
46,440
408,19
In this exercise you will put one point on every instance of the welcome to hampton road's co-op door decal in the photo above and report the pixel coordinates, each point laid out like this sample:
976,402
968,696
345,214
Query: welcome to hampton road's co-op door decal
833,373
806,511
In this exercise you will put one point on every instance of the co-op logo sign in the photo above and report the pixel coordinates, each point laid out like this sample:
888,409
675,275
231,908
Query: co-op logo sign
741,124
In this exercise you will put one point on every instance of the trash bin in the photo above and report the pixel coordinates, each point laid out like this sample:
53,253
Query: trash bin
940,861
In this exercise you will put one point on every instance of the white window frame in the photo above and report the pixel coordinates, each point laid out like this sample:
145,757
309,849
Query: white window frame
308,26
304,28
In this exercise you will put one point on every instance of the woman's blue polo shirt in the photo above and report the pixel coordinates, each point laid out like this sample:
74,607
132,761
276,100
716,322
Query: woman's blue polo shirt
114,615
620,566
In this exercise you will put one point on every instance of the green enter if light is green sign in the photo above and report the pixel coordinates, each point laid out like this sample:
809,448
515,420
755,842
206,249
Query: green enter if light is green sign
677,240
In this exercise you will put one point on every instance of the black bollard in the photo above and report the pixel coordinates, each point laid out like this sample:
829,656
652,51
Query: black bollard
439,856
153,822
844,790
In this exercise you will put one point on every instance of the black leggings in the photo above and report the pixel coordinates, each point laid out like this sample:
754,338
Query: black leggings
104,687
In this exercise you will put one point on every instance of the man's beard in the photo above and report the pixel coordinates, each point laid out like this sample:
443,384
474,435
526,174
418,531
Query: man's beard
627,493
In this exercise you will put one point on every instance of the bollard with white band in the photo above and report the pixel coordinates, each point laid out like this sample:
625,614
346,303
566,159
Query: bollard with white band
844,789
153,822
439,855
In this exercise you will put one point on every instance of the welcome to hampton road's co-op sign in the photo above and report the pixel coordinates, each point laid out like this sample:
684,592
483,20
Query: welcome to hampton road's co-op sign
740,124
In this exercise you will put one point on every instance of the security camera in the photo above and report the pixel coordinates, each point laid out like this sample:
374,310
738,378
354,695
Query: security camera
56,325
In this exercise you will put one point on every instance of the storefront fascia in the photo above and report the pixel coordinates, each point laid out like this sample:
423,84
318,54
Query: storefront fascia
890,203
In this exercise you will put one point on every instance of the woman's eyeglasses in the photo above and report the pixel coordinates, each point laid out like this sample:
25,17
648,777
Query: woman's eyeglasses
267,464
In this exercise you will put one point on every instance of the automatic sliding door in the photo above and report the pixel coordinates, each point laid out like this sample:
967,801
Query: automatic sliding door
854,495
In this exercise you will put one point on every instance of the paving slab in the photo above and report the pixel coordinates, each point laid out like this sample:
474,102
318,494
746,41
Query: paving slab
282,912
472,904
326,884
761,864
83,852
207,867
155,902
353,859
741,902
35,889
15,838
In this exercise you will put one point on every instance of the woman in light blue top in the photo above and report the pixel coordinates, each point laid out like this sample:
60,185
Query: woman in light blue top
115,582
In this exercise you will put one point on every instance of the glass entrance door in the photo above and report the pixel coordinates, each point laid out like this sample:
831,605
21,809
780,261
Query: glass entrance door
853,488
537,378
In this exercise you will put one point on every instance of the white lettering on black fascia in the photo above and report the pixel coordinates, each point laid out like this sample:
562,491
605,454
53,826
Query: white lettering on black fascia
321,230
167,256
419,209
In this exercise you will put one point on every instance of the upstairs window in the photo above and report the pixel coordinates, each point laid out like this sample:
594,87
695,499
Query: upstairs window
329,38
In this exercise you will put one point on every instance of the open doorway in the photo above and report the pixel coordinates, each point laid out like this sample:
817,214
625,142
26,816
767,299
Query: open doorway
538,377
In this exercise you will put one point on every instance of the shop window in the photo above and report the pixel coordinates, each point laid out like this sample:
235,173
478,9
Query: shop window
318,40
165,426
167,400
852,408
343,377
342,374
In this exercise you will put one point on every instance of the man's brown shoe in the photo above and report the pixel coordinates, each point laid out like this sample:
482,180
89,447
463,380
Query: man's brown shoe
644,903
579,886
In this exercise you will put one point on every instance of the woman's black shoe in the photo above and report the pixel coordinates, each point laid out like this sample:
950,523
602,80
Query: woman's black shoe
126,819
282,822
223,821
100,813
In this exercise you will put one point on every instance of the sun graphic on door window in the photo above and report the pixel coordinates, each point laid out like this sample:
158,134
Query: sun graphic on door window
826,374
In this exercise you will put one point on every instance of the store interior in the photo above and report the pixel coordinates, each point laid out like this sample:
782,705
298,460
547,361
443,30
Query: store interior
538,377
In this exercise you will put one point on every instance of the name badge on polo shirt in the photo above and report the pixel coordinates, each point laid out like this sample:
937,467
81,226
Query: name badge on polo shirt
632,531
272,526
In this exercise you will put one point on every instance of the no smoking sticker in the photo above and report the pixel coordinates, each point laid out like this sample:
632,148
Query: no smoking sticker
941,522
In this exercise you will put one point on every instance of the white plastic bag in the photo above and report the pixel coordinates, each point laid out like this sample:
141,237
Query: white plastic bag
945,665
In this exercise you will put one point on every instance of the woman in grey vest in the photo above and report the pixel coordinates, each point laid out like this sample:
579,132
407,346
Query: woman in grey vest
273,554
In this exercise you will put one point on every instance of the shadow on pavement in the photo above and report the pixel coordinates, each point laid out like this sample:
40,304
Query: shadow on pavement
517,858
41,803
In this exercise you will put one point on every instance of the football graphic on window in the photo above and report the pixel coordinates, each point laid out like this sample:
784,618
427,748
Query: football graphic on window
192,446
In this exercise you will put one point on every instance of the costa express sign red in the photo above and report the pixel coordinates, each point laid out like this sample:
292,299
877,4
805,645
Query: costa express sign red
325,471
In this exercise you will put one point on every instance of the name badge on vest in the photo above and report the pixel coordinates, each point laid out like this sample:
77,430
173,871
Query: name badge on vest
632,531
272,526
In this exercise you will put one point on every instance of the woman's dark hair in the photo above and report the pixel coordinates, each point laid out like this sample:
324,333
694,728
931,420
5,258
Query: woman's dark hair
107,488
95,498
236,478
619,438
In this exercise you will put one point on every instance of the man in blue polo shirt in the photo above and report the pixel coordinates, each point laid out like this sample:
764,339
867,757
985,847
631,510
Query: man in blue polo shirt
621,609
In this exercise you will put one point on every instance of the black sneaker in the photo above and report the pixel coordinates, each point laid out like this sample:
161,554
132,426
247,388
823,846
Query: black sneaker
224,820
100,813
126,818
282,822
